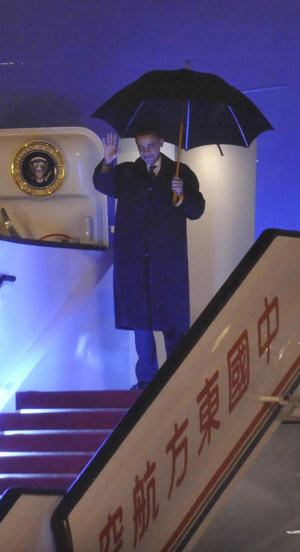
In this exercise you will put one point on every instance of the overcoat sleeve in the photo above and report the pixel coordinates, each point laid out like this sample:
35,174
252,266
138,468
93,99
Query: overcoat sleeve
193,204
108,183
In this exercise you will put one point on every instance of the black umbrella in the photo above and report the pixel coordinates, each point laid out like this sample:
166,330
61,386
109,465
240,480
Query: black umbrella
215,112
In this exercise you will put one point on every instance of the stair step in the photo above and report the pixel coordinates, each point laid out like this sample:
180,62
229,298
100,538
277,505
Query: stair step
44,462
37,481
76,399
70,419
64,441
53,435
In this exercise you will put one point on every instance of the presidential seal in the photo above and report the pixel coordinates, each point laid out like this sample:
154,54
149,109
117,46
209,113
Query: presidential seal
38,168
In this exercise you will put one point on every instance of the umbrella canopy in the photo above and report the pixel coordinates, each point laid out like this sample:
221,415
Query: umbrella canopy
216,112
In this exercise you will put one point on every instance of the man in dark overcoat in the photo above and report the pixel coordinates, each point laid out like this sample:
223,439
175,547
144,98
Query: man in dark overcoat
151,288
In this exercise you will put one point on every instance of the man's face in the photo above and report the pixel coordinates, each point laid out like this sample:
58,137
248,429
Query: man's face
149,147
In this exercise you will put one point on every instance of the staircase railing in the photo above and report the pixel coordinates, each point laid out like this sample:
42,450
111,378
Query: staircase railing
156,481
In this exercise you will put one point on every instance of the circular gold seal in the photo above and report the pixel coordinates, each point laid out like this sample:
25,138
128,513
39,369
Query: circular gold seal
38,168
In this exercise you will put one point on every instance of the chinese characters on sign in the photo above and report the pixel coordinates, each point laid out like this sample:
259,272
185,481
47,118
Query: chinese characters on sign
238,361
111,535
209,406
238,358
182,447
268,327
144,494
144,500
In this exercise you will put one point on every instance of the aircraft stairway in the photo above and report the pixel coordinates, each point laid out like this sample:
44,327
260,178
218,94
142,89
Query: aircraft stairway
51,437
204,444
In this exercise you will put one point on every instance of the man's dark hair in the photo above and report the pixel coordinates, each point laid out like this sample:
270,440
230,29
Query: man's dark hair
149,128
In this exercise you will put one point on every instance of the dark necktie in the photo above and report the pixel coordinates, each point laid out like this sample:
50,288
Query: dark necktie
152,178
151,171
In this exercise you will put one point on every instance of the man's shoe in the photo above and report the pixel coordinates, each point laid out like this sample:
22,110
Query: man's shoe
140,385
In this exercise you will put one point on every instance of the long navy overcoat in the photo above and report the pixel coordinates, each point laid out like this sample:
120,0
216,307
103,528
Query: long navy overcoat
151,288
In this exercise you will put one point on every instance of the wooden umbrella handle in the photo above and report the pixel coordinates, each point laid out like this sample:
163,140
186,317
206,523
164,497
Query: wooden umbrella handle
178,200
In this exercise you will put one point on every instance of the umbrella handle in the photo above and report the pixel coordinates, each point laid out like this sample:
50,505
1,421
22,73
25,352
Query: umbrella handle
178,200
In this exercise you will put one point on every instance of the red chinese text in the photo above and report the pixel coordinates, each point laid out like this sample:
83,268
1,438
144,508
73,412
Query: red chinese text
208,399
144,500
238,361
111,535
178,446
268,327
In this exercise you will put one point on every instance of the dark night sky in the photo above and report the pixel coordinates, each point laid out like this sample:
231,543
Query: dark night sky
60,60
